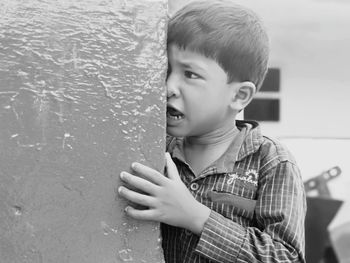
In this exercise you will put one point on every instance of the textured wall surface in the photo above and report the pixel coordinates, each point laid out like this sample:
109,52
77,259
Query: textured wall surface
81,97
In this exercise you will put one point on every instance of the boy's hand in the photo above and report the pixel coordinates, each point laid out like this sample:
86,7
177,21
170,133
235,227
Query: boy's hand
167,198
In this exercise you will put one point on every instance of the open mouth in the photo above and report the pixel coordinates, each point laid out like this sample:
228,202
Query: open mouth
173,113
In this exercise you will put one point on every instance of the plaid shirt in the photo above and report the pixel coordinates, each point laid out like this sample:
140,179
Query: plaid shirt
257,201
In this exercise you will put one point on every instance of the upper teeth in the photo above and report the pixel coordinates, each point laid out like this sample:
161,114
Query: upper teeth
175,117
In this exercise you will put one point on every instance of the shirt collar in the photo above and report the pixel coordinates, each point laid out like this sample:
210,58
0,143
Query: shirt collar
247,141
253,138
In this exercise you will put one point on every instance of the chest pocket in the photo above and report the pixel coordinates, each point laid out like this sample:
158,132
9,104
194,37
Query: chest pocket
234,193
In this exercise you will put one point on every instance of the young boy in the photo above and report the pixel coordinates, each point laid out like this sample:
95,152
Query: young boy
229,194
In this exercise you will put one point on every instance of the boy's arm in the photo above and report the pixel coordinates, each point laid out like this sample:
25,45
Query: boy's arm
280,214
167,198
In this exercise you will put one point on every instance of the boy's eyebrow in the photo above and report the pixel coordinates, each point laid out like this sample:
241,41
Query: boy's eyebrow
191,65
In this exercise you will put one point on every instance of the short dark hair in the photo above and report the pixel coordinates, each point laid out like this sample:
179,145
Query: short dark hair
230,34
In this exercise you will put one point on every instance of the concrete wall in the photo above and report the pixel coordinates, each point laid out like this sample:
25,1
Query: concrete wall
81,96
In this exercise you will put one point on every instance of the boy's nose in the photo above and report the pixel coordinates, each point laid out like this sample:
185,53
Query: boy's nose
172,87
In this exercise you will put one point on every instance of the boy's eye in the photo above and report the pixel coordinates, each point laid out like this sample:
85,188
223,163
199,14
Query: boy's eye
191,75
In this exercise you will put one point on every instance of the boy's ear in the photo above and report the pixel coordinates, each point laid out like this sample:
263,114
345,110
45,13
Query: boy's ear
244,93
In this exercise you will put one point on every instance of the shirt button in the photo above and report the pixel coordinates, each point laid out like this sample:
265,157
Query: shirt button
194,186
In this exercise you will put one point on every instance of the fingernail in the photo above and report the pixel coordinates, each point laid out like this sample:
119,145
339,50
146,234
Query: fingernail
133,165
119,190
126,209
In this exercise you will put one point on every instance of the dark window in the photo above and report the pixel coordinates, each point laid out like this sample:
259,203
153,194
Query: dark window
263,110
266,104
272,81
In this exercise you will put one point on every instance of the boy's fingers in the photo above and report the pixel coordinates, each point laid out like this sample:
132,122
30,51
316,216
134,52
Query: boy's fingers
138,182
171,167
135,197
148,173
148,214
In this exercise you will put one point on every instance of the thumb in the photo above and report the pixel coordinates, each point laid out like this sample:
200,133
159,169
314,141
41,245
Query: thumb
171,168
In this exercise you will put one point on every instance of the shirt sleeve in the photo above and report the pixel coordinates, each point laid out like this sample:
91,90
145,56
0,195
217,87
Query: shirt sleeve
278,231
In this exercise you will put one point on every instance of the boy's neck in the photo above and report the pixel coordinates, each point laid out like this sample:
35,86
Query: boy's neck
202,151
213,139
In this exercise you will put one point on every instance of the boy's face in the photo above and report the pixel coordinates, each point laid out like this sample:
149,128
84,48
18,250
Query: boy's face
198,94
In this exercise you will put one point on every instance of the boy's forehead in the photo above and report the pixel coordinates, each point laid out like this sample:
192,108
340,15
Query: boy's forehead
187,56
178,52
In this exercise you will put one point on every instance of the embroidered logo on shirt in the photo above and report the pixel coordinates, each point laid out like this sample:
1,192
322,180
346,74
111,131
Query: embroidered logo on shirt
250,176
233,177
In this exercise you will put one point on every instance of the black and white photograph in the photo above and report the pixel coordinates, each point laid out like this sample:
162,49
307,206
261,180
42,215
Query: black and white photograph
174,131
